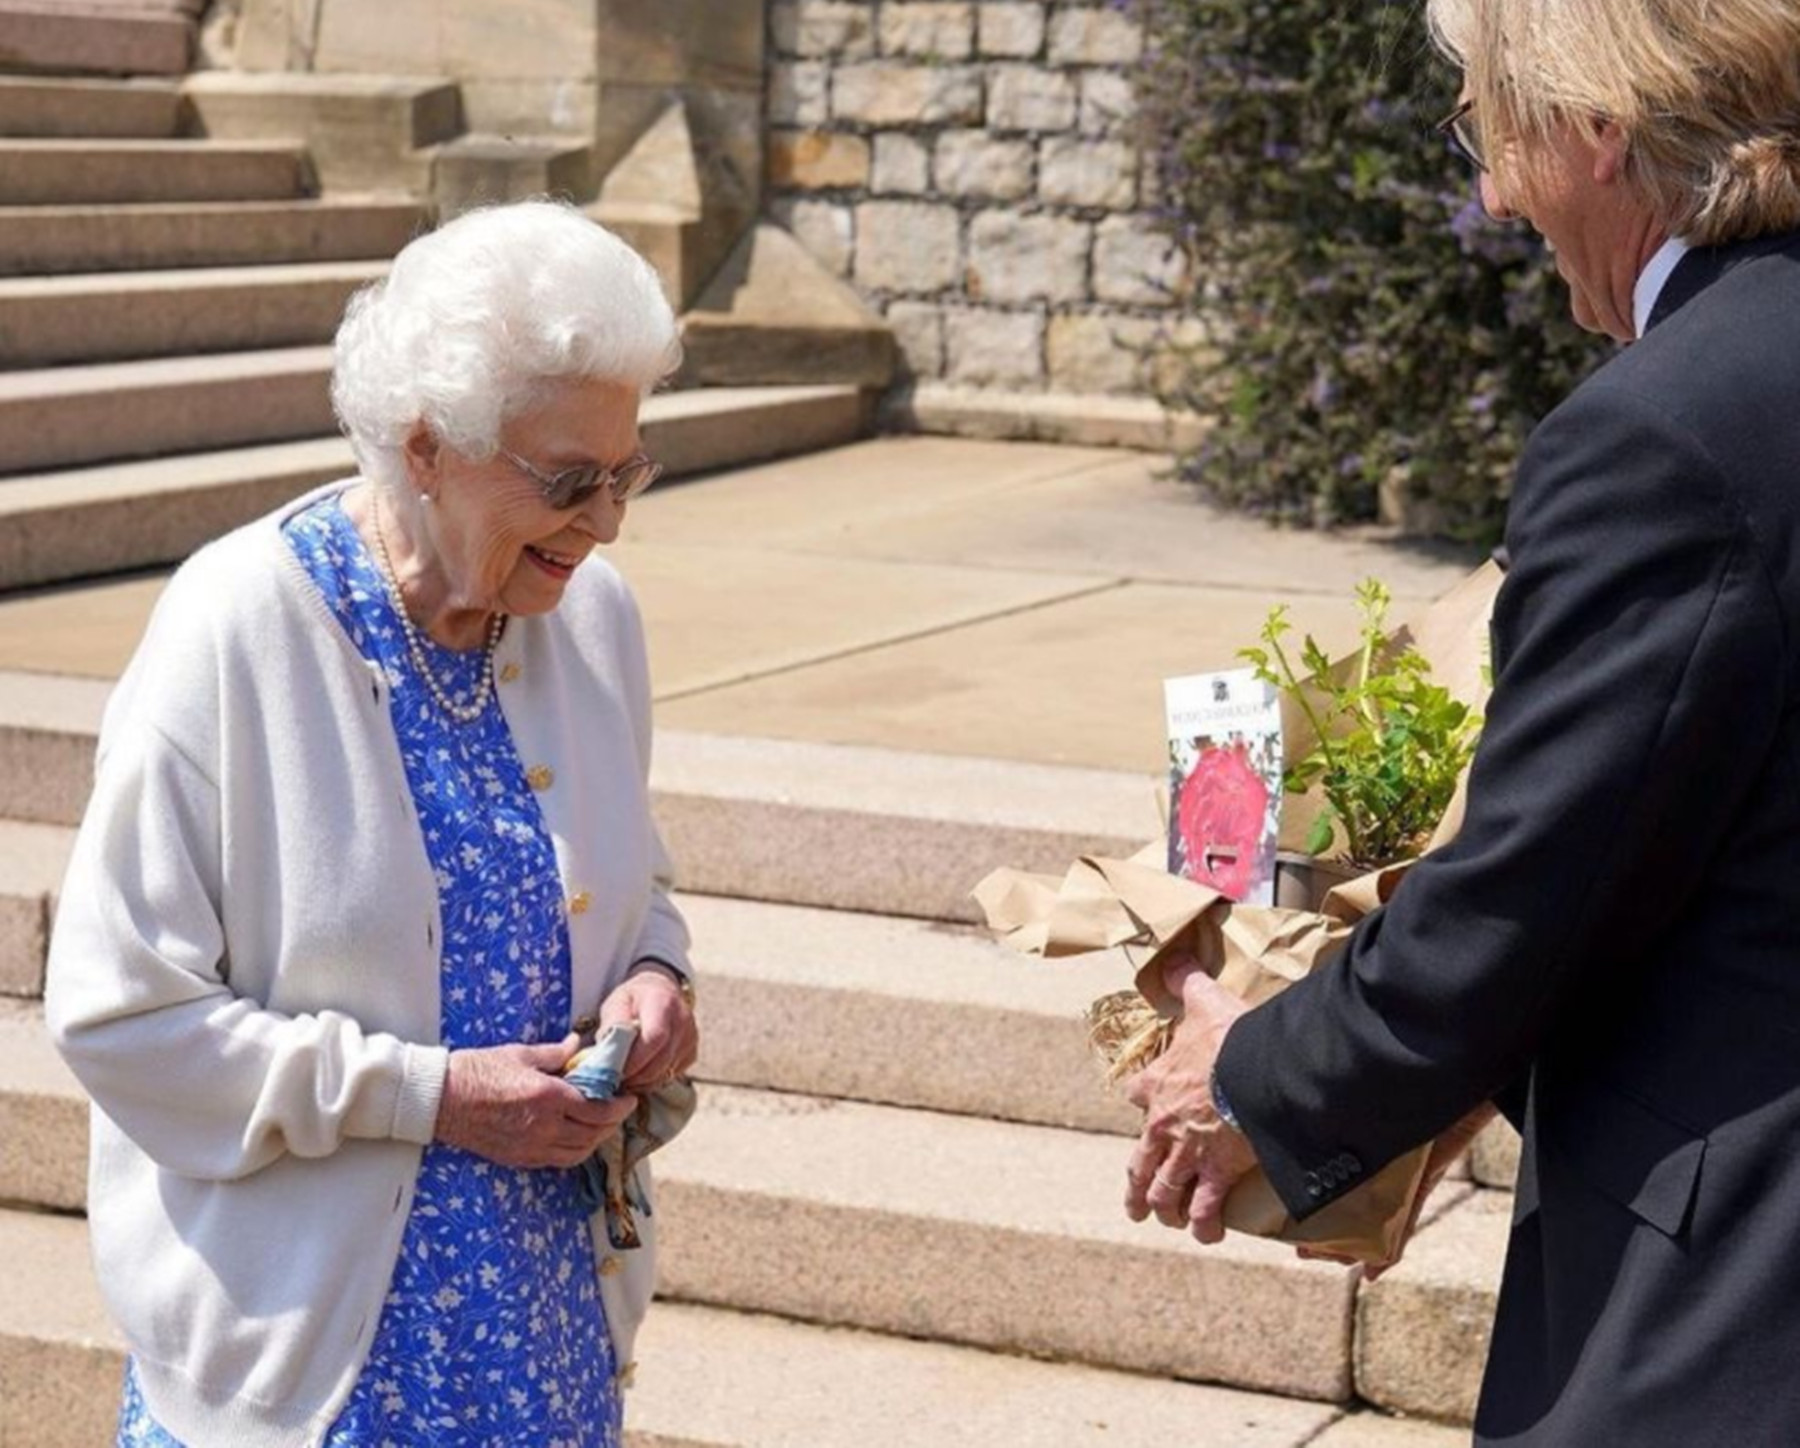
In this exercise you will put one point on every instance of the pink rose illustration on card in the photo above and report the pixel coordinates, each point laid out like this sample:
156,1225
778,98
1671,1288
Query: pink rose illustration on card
1225,763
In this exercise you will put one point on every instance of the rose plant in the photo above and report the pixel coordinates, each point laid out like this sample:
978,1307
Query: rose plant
1389,745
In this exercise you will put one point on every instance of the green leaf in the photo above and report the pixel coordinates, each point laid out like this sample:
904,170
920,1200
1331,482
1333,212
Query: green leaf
1320,836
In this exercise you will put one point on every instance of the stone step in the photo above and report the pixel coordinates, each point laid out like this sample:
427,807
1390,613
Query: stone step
59,240
113,316
62,416
847,1213
882,831
714,1377
707,428
486,170
46,108
774,314
833,826
61,1360
899,1012
43,1146
77,523
869,1216
1422,1330
362,132
48,726
825,1003
83,522
116,7
32,861
69,172
876,1217
708,1378
41,35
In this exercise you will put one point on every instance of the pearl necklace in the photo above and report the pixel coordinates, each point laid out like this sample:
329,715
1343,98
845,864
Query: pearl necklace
461,713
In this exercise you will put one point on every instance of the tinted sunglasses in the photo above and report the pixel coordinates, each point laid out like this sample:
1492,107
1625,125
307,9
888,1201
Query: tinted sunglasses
573,487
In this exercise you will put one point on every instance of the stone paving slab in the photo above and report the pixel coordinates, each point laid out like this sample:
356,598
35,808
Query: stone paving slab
807,503
1123,517
1076,682
717,615
1000,600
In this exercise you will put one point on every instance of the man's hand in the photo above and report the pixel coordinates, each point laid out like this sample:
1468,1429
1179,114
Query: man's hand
668,1038
1187,1160
511,1105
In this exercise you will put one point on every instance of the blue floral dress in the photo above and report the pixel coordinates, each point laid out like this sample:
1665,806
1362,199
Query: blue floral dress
493,1334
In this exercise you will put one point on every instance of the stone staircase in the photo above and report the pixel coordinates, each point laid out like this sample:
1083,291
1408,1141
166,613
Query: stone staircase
166,305
902,1139
99,37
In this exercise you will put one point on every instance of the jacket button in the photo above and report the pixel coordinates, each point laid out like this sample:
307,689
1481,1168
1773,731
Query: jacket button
540,777
509,673
611,1267
1352,1165
1314,1187
579,902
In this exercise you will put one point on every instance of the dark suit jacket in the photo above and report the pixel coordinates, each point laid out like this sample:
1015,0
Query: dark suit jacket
1617,928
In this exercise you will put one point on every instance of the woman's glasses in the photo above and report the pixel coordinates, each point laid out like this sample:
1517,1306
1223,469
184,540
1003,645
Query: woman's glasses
1458,128
573,487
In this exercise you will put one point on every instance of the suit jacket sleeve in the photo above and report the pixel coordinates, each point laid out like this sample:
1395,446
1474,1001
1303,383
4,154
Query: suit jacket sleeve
1639,653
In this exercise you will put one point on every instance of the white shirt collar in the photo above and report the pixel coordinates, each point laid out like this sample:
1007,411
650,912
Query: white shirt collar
1654,278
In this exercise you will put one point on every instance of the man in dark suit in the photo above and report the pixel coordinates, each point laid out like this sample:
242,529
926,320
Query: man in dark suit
1610,949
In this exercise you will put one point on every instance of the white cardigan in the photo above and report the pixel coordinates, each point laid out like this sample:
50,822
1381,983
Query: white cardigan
244,971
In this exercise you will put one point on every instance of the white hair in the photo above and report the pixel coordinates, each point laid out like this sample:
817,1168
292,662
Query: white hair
477,321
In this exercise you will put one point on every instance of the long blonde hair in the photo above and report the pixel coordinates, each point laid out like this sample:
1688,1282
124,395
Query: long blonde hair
1707,93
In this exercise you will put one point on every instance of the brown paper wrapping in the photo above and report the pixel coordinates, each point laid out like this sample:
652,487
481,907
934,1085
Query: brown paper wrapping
1256,952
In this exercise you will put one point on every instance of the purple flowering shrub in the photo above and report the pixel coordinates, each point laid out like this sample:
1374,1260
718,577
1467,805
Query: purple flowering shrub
1369,333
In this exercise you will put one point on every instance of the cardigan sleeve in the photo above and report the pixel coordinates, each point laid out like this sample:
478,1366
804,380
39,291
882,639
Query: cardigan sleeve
1638,695
139,1001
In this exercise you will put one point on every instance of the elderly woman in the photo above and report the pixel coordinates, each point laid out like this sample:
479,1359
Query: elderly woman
1611,947
368,851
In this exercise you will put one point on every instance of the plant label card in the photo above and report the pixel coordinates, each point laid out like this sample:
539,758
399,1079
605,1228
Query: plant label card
1225,764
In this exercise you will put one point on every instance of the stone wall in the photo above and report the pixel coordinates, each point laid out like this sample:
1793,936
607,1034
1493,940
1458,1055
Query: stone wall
969,166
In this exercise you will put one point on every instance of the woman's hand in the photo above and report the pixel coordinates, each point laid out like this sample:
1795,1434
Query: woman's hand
511,1105
668,1038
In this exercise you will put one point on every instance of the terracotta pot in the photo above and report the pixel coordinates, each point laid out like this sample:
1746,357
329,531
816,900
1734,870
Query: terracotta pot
1303,881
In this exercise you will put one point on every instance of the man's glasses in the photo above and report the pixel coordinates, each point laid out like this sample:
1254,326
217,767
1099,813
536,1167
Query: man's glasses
1458,129
573,487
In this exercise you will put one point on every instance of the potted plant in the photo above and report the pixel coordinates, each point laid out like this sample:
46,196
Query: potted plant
1381,748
